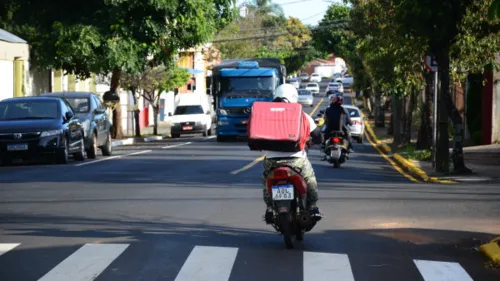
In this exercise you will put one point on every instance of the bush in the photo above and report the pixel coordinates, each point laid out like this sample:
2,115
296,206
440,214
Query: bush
412,153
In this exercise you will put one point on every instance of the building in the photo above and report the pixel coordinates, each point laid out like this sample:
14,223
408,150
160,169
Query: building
325,67
14,65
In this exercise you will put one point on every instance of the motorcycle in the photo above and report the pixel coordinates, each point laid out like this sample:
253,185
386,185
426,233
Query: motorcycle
336,149
289,192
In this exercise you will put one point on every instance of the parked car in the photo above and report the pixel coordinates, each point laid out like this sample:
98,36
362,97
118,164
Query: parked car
304,76
313,87
191,116
39,127
315,77
306,97
95,121
295,82
336,76
358,128
334,86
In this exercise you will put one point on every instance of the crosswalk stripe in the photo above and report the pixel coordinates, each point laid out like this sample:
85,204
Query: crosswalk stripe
86,263
5,247
208,264
441,271
327,267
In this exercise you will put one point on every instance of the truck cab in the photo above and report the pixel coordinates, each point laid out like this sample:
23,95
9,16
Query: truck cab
236,90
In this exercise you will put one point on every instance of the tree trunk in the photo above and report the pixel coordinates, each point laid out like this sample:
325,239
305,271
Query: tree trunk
396,114
137,124
117,111
457,155
404,114
409,117
156,110
442,147
379,109
425,130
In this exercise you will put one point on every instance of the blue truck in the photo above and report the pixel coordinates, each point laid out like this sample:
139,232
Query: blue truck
236,85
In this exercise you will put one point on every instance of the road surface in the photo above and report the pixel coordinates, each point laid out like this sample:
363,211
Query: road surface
191,209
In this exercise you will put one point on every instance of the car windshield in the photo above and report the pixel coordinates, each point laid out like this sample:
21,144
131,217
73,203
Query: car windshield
304,93
245,86
80,105
312,85
353,112
26,110
333,85
188,109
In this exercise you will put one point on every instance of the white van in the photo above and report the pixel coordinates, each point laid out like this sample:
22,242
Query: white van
192,115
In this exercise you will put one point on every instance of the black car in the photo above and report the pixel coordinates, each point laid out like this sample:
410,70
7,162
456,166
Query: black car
95,121
39,127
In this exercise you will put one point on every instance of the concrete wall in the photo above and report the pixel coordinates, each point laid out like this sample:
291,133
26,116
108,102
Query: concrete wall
6,79
495,130
14,69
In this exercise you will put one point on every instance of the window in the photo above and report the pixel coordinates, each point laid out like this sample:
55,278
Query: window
98,103
312,85
188,109
79,105
32,109
353,112
304,93
247,85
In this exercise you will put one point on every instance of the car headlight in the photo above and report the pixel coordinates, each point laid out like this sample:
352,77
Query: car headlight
222,111
51,133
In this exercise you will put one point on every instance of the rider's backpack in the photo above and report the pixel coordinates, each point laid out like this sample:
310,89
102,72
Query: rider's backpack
277,126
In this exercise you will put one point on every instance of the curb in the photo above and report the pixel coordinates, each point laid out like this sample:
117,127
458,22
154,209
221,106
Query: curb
131,141
403,162
128,141
492,250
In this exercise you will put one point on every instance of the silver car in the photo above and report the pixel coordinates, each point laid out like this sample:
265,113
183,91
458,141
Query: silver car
358,126
306,97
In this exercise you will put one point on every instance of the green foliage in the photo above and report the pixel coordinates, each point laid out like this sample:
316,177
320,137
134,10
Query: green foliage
100,36
494,10
412,153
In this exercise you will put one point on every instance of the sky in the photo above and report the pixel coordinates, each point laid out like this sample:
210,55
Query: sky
308,11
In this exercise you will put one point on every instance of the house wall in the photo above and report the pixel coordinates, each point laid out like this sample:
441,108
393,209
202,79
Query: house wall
14,69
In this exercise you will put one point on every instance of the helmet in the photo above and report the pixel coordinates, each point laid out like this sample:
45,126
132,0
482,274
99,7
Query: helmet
336,98
286,93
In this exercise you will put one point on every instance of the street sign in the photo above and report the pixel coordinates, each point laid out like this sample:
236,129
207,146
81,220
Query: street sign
431,63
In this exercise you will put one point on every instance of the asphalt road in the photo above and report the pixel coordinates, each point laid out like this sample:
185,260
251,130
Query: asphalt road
191,209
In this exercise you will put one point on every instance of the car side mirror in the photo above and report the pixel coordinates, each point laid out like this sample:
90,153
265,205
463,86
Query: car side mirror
170,114
99,111
69,115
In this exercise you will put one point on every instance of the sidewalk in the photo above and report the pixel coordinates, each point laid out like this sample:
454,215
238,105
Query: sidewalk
481,173
147,135
163,129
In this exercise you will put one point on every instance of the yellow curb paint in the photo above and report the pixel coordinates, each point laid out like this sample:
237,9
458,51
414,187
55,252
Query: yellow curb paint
404,162
254,162
491,250
371,135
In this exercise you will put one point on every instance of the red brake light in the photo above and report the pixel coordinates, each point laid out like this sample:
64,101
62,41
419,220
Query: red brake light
335,139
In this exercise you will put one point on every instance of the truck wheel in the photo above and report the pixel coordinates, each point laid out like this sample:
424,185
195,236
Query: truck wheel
221,138
174,136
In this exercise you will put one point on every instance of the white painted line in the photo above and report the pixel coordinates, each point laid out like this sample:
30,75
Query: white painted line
112,157
210,137
208,264
327,267
5,247
441,271
128,141
86,263
176,145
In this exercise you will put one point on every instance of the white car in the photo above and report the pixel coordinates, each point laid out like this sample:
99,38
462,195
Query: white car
358,128
295,82
313,87
347,81
191,118
306,97
315,77
304,76
335,86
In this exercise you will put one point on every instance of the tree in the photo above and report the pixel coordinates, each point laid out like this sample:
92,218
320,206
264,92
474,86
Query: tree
113,36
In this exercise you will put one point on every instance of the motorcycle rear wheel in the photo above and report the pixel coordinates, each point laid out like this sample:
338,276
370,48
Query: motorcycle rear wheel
336,163
286,229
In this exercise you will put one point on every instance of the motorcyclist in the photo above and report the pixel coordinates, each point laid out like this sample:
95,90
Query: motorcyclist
296,160
337,119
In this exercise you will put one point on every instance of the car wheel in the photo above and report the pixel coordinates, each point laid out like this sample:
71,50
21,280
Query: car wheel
80,155
92,151
107,148
205,132
360,139
312,105
62,155
209,131
174,136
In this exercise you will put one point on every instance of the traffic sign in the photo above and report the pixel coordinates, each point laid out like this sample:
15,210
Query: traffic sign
431,63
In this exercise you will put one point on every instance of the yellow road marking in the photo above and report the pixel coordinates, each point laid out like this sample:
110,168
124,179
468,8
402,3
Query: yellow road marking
317,106
254,162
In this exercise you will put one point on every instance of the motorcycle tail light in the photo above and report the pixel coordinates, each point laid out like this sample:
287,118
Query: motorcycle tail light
281,174
335,139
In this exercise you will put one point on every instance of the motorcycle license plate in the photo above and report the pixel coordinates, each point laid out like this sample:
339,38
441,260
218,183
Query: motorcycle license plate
283,192
335,153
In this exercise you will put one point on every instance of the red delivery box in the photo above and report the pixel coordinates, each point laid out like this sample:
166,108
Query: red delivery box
277,126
